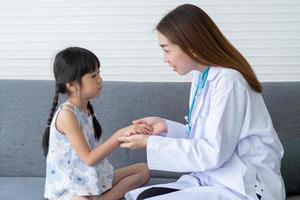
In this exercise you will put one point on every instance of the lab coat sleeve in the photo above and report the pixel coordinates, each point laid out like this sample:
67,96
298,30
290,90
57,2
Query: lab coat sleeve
176,130
221,133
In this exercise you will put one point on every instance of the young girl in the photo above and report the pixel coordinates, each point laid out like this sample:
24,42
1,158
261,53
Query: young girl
77,167
229,142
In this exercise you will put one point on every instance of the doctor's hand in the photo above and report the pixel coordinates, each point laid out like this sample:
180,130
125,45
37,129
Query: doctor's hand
134,141
159,124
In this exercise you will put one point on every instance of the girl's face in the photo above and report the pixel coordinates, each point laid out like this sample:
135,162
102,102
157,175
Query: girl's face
91,84
176,57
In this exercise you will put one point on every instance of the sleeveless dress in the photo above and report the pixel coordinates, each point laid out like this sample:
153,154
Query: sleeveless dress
65,171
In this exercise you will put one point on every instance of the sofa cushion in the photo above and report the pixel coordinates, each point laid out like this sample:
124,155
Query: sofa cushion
20,188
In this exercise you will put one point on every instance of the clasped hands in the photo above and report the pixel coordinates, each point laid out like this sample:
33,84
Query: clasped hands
136,135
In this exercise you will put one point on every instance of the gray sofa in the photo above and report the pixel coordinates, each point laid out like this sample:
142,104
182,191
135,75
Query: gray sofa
25,106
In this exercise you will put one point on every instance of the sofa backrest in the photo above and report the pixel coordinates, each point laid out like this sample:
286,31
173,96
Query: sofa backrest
283,102
25,106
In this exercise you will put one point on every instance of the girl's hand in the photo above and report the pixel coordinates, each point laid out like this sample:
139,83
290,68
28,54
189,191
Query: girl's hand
133,129
134,141
159,124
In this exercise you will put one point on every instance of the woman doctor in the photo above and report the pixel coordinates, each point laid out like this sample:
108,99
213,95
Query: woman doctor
229,143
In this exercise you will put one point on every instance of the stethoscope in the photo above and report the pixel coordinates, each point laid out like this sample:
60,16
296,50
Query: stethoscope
201,84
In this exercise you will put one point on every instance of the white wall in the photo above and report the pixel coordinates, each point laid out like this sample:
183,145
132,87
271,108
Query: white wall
121,34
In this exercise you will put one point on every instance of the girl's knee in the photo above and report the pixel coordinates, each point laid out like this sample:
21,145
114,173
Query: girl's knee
141,172
142,166
145,172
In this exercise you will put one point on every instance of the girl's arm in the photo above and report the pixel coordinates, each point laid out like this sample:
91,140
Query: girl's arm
67,123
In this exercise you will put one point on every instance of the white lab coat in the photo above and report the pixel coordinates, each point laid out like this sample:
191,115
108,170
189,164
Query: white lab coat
232,150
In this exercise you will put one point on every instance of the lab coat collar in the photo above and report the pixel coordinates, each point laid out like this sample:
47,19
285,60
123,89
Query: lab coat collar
212,74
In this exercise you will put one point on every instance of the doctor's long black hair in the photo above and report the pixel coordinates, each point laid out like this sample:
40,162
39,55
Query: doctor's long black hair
190,28
70,65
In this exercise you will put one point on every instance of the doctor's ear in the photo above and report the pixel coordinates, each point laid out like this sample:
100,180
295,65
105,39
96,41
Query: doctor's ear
193,53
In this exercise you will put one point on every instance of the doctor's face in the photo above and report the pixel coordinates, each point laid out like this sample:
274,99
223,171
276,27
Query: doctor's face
175,56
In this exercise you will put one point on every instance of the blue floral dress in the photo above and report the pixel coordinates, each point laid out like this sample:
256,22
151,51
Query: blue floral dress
66,172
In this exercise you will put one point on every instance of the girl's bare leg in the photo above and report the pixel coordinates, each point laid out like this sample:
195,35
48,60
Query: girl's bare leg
126,179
